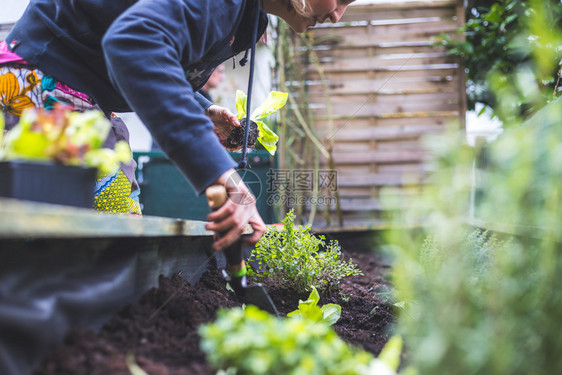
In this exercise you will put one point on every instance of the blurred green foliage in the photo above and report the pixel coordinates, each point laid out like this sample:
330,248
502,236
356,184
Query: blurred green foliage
479,302
63,136
300,260
252,342
512,53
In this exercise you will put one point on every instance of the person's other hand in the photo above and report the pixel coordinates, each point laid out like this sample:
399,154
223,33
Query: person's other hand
239,210
225,121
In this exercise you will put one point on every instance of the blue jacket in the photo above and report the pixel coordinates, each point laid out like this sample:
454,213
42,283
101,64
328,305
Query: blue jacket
148,56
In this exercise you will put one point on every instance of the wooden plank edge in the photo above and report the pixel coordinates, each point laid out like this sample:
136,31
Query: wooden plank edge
22,219
25,219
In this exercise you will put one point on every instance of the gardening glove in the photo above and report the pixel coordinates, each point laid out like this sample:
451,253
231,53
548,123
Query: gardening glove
225,121
240,209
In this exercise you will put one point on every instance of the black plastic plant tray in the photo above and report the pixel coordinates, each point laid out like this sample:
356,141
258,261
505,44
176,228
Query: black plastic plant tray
48,182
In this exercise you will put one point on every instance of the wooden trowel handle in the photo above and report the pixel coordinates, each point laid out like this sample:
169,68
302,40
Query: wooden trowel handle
216,197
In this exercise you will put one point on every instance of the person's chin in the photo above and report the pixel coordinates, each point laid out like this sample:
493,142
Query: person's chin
300,27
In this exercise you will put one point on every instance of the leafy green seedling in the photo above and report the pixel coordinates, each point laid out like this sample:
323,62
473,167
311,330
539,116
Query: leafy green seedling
253,342
309,309
274,101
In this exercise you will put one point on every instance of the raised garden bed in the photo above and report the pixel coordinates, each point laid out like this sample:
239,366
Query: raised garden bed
161,329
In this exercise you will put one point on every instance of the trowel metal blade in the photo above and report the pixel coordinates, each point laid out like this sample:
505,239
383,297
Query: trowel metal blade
257,295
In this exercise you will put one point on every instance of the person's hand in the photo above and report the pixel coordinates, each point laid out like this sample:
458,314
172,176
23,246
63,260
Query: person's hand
225,121
239,210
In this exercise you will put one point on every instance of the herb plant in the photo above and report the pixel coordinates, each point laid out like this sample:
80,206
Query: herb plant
293,256
274,101
253,342
63,136
309,309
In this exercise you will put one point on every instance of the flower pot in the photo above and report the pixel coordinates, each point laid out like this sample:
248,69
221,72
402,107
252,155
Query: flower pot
48,182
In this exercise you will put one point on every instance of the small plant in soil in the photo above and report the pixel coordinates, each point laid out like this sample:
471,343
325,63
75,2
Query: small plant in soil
259,131
254,342
309,309
299,260
236,139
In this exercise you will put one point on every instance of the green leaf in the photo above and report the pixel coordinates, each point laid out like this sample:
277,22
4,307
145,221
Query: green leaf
134,369
510,18
267,137
391,352
314,296
495,14
482,111
331,313
274,101
240,104
294,314
310,310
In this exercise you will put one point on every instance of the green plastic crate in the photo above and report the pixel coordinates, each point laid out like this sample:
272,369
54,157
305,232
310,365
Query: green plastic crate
166,192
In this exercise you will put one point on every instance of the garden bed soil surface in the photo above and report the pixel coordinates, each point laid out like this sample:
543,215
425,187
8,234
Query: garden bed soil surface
161,329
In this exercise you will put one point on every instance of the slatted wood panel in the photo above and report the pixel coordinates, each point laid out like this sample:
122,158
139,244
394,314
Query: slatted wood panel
378,84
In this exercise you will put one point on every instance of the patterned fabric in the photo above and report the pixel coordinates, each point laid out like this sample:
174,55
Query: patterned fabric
22,87
18,90
113,194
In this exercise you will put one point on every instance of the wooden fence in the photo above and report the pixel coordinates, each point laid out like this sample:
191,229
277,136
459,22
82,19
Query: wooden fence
376,84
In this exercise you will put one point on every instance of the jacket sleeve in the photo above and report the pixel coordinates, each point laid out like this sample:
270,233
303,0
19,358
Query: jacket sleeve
143,50
203,102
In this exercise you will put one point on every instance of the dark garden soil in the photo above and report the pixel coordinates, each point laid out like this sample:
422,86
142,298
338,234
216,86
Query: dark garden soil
161,329
236,139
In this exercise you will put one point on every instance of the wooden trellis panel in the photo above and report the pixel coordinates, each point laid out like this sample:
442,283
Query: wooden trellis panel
377,84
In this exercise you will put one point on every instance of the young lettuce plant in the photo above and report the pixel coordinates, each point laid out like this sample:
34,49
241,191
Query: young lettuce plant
309,309
253,342
258,129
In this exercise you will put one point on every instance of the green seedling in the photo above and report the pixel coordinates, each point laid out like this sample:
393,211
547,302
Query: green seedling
309,309
274,101
252,342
